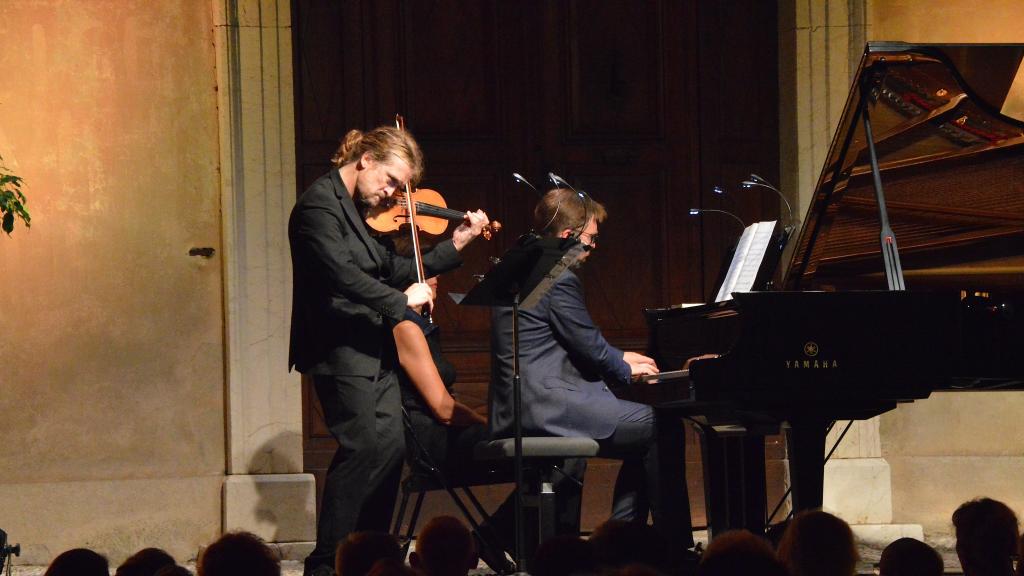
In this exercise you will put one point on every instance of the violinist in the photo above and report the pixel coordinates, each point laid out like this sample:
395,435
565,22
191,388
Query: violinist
345,302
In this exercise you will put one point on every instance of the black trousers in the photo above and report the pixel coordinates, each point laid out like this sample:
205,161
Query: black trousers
653,473
450,448
365,416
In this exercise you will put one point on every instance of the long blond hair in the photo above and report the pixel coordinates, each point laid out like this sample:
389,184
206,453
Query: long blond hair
381,142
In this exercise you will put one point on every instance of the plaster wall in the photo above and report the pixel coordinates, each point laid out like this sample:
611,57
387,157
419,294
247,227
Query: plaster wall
957,446
111,348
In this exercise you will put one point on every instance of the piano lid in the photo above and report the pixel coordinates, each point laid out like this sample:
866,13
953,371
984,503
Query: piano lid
948,122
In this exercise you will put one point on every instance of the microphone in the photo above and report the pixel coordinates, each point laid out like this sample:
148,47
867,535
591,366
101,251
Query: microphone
519,178
699,211
756,180
558,181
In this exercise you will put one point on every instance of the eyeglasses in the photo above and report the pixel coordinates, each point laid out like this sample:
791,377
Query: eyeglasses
593,238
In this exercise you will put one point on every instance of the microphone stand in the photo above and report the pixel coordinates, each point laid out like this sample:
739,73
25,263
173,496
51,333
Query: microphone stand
699,211
517,411
756,180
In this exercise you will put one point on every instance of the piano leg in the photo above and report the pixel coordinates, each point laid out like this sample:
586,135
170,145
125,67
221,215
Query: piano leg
674,520
754,483
734,480
805,440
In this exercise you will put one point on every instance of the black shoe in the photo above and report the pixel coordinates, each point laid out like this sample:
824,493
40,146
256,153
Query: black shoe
493,555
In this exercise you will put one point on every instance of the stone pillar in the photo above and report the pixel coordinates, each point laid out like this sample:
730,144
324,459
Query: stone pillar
265,491
820,45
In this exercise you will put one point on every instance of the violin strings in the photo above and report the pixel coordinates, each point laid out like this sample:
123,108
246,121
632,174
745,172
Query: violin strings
431,210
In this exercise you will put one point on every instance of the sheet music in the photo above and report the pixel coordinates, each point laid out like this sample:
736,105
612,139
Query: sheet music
725,291
746,261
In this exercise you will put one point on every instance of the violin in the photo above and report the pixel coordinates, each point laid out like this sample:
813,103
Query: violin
431,212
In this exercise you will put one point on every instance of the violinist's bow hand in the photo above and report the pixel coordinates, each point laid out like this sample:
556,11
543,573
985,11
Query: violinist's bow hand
469,229
420,296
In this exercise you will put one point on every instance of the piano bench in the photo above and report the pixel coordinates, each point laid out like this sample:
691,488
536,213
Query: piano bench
542,457
535,447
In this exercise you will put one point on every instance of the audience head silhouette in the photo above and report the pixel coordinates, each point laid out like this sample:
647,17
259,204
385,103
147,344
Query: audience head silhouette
617,543
986,537
564,555
635,570
444,548
78,562
145,562
392,567
172,570
817,542
910,557
739,552
358,552
237,553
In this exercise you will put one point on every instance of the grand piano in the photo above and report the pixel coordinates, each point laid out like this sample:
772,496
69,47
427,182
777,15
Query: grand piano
876,307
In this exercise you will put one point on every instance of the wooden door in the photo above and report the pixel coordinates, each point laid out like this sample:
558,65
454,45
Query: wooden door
606,94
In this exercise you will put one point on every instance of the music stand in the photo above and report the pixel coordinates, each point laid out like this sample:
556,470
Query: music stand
522,276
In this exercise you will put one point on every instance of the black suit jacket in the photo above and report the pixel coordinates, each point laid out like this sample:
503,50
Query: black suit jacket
345,296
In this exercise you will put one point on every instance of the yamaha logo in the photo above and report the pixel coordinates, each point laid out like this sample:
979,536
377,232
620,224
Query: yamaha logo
810,359
811,349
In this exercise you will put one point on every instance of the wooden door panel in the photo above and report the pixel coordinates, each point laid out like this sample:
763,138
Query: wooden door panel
615,69
450,48
738,122
625,273
329,87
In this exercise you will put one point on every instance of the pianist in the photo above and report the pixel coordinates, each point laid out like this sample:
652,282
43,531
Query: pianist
566,366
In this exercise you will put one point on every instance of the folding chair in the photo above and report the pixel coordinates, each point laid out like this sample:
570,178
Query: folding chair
425,475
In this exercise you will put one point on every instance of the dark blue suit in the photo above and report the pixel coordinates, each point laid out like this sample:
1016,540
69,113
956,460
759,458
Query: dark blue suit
566,368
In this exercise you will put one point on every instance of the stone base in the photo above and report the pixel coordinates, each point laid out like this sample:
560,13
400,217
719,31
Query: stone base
115,517
927,489
279,508
881,535
296,551
859,490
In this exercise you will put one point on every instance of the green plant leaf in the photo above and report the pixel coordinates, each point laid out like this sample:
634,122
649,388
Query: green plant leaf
12,200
